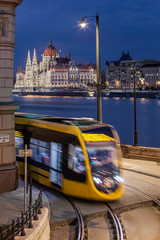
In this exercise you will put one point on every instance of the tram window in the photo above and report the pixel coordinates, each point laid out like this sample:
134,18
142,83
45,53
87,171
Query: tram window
41,152
56,155
19,142
56,163
76,159
102,155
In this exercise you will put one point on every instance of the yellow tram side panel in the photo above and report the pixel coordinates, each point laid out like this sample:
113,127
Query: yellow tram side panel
38,174
83,190
70,187
87,189
22,121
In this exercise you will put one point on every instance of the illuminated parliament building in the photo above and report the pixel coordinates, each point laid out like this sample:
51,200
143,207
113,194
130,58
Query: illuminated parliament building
53,72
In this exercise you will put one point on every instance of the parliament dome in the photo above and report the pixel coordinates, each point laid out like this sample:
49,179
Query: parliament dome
51,50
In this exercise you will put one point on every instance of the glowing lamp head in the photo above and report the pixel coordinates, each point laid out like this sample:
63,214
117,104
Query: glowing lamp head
83,24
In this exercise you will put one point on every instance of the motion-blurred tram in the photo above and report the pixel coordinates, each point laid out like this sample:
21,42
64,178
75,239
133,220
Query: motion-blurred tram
78,156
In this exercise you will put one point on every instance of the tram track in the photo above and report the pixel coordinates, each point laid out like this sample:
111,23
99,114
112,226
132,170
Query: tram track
118,233
104,225
151,207
148,181
144,181
110,225
80,225
80,228
148,209
72,229
141,173
155,200
101,223
117,227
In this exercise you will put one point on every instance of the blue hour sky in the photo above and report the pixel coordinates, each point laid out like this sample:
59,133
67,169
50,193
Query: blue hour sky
132,26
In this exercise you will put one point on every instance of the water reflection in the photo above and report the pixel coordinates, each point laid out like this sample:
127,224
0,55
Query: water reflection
158,102
143,100
105,98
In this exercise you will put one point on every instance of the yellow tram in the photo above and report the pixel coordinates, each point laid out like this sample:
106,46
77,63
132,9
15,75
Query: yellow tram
78,156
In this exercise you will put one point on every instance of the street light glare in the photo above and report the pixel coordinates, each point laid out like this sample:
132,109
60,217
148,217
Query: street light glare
83,24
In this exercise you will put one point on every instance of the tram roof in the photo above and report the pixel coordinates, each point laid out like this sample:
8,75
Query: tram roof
71,121
87,125
79,122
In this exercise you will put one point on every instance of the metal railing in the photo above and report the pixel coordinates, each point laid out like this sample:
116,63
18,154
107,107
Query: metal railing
17,227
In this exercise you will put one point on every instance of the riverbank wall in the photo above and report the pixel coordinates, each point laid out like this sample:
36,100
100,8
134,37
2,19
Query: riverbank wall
85,93
40,230
141,153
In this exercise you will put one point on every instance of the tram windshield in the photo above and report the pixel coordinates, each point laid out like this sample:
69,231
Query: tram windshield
104,165
102,154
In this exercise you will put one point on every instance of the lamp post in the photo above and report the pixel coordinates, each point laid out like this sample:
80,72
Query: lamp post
135,118
83,24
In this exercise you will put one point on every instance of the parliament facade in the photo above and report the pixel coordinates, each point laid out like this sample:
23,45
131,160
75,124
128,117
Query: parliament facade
53,72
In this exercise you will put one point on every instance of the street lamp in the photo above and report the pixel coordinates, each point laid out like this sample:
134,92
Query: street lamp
83,24
142,82
135,119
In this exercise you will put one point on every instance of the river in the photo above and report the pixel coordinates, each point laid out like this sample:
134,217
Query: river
118,112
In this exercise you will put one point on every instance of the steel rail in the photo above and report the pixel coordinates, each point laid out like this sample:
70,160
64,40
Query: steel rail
79,218
116,222
144,181
142,173
146,194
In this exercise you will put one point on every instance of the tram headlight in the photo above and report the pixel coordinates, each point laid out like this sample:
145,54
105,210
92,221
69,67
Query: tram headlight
107,184
97,180
118,179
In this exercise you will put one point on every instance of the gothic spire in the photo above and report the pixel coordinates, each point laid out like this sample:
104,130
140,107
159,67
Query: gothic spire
34,61
28,59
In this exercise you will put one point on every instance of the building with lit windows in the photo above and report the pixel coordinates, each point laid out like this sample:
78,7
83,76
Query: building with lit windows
151,74
53,72
119,74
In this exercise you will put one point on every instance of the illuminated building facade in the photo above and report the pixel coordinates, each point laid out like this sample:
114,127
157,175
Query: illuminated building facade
119,74
53,72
